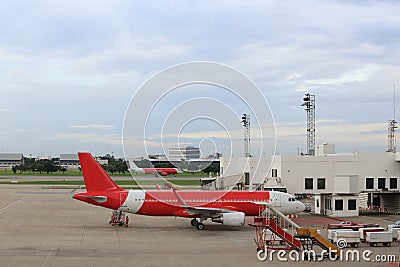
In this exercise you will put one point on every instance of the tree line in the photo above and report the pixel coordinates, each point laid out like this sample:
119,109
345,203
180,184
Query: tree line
51,166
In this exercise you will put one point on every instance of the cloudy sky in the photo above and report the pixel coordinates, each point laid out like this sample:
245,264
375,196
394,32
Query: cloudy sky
68,69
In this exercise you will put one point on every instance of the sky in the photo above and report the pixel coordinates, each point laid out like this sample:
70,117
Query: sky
69,70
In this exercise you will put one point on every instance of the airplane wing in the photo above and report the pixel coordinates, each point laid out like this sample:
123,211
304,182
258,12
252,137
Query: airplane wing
262,203
193,210
207,212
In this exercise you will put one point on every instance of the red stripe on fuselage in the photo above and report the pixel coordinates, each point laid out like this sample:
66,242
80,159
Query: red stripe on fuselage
165,203
167,170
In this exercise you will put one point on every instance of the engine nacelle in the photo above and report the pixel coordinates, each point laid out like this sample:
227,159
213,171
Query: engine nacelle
231,219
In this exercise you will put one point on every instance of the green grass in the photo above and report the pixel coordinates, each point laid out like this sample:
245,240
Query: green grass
80,182
31,173
78,173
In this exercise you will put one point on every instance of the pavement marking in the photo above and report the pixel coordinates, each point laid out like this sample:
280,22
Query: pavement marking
9,205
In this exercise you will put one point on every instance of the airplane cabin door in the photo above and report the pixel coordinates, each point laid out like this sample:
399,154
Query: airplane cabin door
278,200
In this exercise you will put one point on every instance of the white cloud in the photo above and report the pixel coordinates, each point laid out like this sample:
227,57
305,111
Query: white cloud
89,138
93,126
357,75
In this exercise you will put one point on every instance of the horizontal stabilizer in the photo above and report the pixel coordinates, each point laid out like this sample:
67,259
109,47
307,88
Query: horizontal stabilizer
99,199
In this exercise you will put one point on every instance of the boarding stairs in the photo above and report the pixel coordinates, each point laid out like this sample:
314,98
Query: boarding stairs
294,236
310,237
281,228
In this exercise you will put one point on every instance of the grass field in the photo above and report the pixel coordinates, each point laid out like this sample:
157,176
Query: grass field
78,173
119,182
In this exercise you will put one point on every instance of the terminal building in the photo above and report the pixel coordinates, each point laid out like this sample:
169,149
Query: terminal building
341,184
186,153
69,161
7,160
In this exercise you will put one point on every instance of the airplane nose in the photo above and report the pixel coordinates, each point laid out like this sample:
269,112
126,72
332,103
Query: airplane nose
302,207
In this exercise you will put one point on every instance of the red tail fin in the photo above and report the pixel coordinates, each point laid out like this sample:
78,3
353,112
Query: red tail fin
96,179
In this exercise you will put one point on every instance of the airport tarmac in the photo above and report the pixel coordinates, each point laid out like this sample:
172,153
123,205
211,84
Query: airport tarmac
46,227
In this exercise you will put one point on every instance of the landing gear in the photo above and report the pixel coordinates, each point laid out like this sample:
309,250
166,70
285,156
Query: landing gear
197,224
194,222
200,226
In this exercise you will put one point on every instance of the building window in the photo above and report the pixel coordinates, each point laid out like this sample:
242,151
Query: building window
381,183
338,204
369,183
274,172
352,204
393,183
317,203
321,183
308,183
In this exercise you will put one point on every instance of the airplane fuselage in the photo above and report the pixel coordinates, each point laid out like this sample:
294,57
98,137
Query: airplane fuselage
166,203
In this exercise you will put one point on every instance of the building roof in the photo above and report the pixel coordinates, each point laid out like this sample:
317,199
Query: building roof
69,157
11,156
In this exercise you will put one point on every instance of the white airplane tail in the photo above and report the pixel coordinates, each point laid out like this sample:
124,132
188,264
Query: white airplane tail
134,168
132,165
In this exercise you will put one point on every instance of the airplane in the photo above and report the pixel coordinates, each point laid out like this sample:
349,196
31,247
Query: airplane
161,171
225,207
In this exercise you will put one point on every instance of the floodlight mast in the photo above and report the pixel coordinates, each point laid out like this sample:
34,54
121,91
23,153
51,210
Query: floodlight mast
392,125
309,106
246,123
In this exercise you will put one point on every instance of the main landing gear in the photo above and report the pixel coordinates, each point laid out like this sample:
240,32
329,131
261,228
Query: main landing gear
197,224
119,218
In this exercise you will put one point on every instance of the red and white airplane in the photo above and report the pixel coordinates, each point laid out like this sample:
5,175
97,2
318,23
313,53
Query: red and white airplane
162,171
226,207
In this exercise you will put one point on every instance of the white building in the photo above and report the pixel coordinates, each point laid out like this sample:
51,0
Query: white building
69,161
340,183
7,160
186,152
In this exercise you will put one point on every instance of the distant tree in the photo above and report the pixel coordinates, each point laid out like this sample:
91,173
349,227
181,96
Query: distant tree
14,169
22,168
49,166
112,168
121,166
63,170
213,168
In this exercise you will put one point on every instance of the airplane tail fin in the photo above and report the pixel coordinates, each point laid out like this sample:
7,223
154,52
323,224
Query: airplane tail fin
96,179
133,165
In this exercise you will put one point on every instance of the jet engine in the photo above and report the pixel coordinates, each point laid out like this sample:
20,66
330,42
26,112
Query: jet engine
231,219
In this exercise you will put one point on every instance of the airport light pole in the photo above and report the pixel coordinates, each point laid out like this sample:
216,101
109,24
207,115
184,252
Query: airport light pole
246,124
309,104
